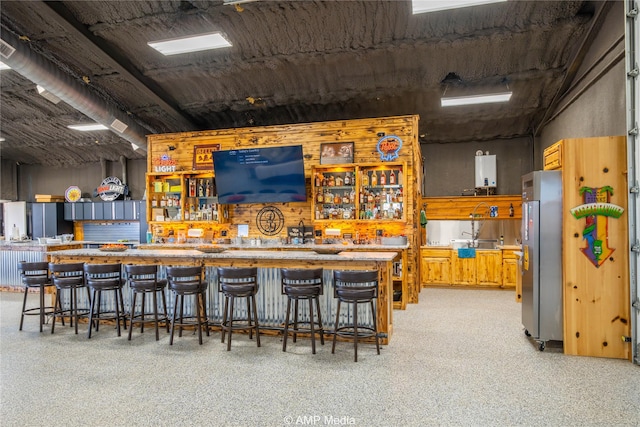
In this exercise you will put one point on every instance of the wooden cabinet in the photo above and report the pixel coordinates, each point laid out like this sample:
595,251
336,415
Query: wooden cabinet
463,270
444,267
552,157
366,192
489,268
399,279
435,267
509,269
183,197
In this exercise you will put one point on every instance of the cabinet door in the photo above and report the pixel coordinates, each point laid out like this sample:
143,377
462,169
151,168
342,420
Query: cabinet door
98,210
118,207
68,211
463,270
509,273
436,270
129,209
87,211
489,268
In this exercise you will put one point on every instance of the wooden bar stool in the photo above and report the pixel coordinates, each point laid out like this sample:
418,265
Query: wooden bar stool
143,280
104,278
35,275
187,281
239,283
356,287
69,278
302,284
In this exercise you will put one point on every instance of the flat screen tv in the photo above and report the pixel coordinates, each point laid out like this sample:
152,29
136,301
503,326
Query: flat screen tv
260,175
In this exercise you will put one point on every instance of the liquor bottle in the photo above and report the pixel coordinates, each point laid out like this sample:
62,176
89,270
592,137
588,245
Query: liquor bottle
383,178
347,178
400,177
374,179
201,189
511,213
365,179
318,180
207,189
192,187
392,177
319,196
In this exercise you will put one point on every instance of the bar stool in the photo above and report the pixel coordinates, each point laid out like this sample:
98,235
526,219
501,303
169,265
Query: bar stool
356,287
239,283
302,284
185,281
70,278
143,280
104,278
35,275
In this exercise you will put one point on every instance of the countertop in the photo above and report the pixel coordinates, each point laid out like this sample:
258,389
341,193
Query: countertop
279,246
303,255
498,247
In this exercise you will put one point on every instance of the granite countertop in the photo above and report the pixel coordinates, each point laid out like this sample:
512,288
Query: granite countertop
235,254
288,247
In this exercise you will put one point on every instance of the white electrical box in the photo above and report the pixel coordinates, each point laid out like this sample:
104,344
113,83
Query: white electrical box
486,171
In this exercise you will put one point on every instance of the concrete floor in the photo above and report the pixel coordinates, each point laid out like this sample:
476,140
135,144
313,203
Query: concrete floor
459,357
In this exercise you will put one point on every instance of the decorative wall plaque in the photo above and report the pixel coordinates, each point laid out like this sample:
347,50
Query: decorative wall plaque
270,220
203,156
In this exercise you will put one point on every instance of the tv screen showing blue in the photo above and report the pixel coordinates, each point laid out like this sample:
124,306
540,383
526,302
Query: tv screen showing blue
260,175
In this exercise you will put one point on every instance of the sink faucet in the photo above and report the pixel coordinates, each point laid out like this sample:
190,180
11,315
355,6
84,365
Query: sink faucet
473,220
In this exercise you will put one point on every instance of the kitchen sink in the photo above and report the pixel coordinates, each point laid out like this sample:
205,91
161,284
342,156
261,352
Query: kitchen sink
477,243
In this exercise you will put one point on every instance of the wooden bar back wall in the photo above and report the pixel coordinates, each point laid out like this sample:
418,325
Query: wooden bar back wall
364,133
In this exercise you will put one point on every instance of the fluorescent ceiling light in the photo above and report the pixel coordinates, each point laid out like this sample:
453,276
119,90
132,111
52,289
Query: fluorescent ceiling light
423,6
88,127
475,99
4,66
190,44
2,139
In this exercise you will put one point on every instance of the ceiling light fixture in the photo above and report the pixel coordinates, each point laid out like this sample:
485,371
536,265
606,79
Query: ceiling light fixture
47,95
475,99
86,127
424,6
2,139
190,44
4,66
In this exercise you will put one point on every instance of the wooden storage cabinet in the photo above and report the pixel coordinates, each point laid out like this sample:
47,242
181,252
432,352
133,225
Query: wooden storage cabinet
435,266
183,197
463,270
552,157
489,268
400,281
334,193
445,267
509,269
381,192
365,192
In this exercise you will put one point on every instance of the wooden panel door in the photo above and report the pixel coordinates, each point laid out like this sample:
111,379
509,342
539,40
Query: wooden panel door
595,247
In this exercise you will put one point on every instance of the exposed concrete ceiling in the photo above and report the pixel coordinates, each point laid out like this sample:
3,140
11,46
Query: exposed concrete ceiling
291,62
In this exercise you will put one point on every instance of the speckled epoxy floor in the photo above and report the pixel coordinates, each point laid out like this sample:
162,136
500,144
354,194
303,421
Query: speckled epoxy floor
459,357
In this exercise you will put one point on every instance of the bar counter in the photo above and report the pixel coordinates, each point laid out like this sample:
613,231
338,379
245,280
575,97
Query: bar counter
271,304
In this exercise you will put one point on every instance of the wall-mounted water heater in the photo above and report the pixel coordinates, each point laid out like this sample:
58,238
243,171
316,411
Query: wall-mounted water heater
486,176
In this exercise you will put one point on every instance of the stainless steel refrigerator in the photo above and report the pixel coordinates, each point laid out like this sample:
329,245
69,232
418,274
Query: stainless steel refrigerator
542,256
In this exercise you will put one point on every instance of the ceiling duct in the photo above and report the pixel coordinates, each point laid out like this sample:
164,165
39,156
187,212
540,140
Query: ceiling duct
41,71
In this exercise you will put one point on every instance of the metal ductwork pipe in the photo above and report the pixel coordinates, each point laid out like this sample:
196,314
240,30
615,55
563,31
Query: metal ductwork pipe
123,163
19,56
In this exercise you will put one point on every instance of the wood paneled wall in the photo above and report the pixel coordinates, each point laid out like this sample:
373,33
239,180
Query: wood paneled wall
364,133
